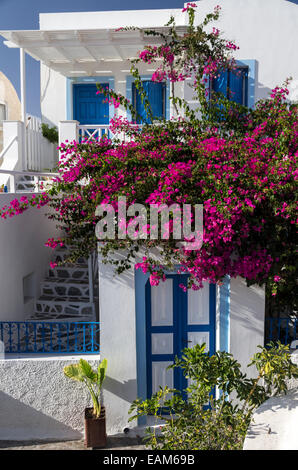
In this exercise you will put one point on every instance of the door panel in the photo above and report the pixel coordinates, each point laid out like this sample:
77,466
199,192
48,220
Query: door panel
162,304
175,320
161,375
162,343
198,306
198,337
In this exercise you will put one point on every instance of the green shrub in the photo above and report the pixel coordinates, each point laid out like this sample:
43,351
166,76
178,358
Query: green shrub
50,133
222,425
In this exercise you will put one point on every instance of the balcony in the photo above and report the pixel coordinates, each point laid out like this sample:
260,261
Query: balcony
74,131
49,337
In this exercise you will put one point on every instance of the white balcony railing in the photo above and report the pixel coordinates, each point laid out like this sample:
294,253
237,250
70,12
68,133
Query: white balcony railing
26,181
90,132
93,132
41,154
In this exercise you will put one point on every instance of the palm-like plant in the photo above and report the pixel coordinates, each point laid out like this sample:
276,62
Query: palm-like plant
83,372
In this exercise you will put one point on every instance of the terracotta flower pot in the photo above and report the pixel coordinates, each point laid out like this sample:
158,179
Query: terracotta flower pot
95,428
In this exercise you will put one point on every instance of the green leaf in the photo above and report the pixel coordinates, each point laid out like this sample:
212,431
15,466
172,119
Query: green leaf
87,371
101,372
73,371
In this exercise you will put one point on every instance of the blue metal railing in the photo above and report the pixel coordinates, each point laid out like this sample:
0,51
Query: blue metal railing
282,329
49,337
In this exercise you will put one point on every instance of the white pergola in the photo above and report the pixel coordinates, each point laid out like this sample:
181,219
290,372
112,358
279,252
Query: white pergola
79,52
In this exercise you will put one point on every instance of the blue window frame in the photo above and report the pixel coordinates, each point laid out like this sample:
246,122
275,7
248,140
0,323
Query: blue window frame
88,107
156,93
233,84
71,82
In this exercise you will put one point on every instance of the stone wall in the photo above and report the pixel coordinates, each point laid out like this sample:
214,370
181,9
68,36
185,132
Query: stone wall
38,402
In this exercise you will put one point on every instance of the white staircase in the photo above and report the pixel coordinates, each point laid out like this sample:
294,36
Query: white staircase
29,183
25,184
65,292
64,301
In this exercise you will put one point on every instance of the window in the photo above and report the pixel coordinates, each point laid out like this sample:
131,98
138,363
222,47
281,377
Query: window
2,112
233,84
156,93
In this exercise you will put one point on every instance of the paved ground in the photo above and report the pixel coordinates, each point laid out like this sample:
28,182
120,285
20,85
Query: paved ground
114,443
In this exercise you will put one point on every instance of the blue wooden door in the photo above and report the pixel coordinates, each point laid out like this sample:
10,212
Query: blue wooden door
88,107
176,320
156,97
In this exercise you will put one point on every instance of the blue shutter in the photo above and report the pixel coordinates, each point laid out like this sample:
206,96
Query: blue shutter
139,106
155,92
237,85
235,82
220,84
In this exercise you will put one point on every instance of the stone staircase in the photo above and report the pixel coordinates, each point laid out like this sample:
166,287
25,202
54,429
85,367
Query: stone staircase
26,184
64,303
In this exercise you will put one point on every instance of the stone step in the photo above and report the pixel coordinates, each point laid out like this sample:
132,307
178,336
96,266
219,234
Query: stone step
61,256
25,187
30,178
71,272
63,308
64,287
25,183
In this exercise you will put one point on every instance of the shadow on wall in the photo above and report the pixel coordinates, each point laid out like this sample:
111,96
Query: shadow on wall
249,317
124,390
19,421
108,271
256,89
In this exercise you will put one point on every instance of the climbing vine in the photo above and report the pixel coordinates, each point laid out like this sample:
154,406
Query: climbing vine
240,163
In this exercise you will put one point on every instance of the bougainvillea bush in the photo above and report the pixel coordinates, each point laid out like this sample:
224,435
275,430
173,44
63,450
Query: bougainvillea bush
240,163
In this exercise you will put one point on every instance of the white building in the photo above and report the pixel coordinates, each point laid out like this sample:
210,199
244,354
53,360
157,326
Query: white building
10,106
139,325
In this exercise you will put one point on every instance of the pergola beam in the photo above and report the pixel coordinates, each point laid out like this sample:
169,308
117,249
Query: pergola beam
70,51
86,48
74,43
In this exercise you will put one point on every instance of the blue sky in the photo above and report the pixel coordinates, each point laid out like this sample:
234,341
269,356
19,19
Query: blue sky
23,14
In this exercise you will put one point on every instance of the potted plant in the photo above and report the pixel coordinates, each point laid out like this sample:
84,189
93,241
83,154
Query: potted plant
95,418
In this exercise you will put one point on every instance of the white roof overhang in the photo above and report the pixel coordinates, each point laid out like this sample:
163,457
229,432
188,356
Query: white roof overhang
79,52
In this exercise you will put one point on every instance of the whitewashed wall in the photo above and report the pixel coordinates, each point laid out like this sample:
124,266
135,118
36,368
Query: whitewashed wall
8,97
266,31
22,252
118,344
247,317
109,19
39,402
